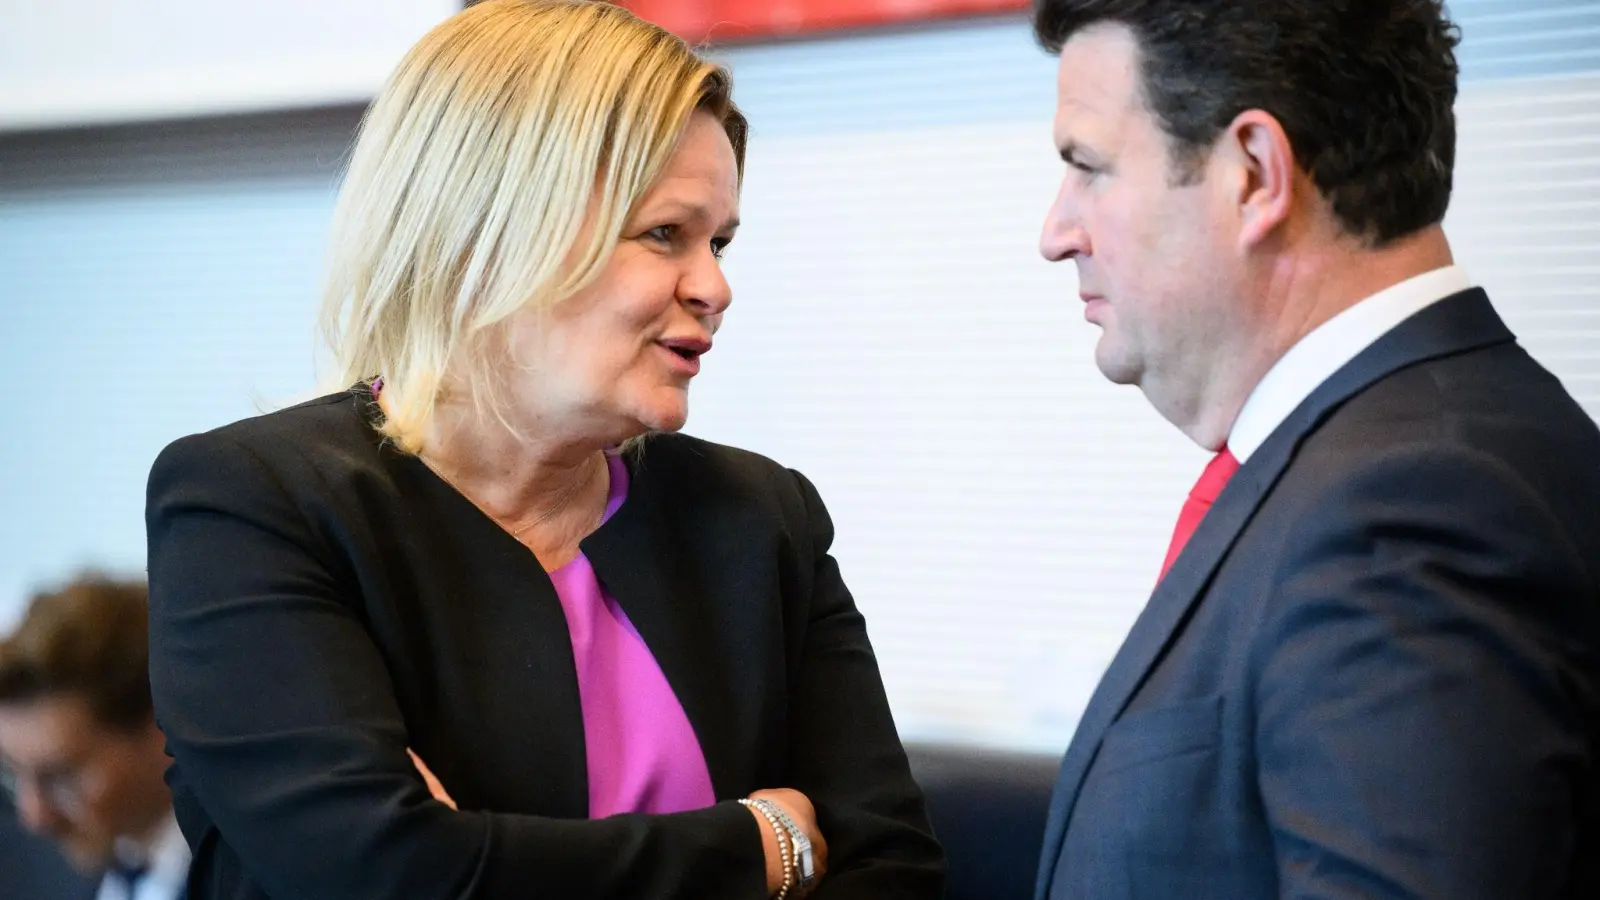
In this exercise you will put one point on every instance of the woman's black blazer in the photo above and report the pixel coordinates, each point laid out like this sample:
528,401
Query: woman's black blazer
321,602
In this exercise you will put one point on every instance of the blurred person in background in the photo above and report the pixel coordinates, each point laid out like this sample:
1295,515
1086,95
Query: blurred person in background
1372,668
80,754
629,668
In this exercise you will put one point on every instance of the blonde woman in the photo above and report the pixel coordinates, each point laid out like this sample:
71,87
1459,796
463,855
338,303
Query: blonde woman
634,672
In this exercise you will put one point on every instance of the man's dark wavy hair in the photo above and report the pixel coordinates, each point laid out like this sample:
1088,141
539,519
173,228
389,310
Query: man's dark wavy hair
1365,90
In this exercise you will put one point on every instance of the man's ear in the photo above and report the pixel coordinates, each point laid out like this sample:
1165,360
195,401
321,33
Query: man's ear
1256,145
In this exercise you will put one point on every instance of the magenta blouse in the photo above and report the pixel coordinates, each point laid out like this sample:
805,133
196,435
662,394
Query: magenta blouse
643,755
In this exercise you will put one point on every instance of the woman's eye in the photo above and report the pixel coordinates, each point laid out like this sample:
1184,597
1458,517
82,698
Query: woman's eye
671,235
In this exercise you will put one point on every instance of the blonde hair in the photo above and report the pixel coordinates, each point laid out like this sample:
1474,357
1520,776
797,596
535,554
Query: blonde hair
503,132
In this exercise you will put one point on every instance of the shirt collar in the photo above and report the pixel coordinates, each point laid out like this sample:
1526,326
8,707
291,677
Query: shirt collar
1315,357
166,864
169,858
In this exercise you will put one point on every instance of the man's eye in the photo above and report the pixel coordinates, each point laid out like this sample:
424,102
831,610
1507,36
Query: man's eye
719,247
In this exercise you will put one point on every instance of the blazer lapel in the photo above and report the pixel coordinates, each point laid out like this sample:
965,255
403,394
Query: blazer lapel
637,558
1462,322
504,606
1174,596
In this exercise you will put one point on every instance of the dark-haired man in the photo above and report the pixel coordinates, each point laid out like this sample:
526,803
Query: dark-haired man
80,753
1372,668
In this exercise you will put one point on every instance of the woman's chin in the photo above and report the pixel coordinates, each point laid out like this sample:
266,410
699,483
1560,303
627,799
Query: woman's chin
667,421
659,417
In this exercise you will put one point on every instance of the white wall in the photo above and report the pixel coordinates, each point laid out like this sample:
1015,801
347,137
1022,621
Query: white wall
1002,511
66,62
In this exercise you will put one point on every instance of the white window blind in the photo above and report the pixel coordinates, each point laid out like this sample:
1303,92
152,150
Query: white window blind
1001,510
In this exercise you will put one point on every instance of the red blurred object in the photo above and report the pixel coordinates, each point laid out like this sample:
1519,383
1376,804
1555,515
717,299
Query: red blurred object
733,20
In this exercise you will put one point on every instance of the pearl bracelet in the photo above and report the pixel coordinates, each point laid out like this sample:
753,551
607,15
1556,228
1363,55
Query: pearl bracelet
804,862
771,811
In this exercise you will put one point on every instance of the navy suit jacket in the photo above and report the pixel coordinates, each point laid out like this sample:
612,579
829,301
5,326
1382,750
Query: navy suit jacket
1375,669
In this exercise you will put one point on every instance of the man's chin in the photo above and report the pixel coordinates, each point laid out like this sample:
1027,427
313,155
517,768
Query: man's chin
1116,368
87,855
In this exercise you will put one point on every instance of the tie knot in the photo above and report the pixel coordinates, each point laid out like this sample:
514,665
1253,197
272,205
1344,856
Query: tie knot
127,877
1215,477
1205,492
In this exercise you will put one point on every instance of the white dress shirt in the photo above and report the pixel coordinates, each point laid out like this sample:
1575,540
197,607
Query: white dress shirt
1327,348
167,862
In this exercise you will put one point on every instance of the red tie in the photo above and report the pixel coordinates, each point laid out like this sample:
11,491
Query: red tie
1211,483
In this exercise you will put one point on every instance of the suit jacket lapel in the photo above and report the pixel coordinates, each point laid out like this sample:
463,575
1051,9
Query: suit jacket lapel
637,558
1458,323
1150,635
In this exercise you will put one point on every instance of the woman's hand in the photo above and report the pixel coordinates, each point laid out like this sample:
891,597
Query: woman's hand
434,787
799,808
